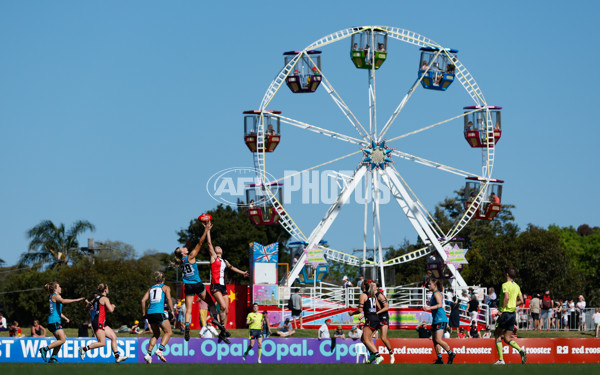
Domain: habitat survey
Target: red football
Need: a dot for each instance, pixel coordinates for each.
(205, 217)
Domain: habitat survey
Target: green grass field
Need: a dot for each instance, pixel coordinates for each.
(309, 369)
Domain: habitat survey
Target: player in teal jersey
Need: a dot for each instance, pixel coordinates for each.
(55, 320)
(186, 260)
(439, 321)
(156, 315)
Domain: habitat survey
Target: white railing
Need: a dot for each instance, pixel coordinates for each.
(325, 297)
(558, 320)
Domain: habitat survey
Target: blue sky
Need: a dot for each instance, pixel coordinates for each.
(119, 112)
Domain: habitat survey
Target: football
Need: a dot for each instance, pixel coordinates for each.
(205, 218)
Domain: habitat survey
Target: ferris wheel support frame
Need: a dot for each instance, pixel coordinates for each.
(420, 223)
(317, 234)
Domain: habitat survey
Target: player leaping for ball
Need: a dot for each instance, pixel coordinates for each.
(217, 278)
(186, 260)
(506, 320)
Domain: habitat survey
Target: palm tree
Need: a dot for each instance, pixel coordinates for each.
(52, 245)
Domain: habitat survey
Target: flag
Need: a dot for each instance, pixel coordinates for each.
(265, 254)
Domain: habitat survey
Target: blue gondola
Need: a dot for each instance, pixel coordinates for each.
(437, 72)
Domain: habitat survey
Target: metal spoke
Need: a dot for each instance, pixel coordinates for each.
(429, 126)
(318, 130)
(405, 100)
(433, 164)
(316, 166)
(337, 99)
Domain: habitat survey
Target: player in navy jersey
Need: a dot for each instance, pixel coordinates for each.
(55, 320)
(384, 317)
(158, 294)
(186, 260)
(101, 306)
(439, 321)
(368, 306)
(217, 278)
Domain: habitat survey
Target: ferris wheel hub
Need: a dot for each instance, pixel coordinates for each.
(377, 155)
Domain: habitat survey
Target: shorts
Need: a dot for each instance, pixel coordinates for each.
(535, 316)
(384, 319)
(296, 313)
(194, 289)
(97, 326)
(156, 318)
(546, 313)
(373, 324)
(441, 326)
(255, 334)
(218, 288)
(53, 327)
(506, 321)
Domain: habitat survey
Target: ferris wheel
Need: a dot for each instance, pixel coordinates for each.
(374, 161)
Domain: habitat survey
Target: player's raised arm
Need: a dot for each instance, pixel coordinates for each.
(196, 249)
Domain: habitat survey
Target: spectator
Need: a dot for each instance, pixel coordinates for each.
(203, 312)
(3, 326)
(296, 307)
(596, 320)
(266, 325)
(473, 331)
(295, 260)
(37, 330)
(181, 309)
(572, 315)
(136, 329)
(423, 332)
(208, 331)
(487, 334)
(323, 332)
(490, 298)
(347, 283)
(339, 333)
(555, 320)
(285, 329)
(536, 308)
(565, 318)
(355, 333)
(580, 309)
(454, 321)
(359, 283)
(473, 307)
(547, 311)
(14, 330)
(84, 329)
(428, 276)
(527, 300)
(461, 333)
